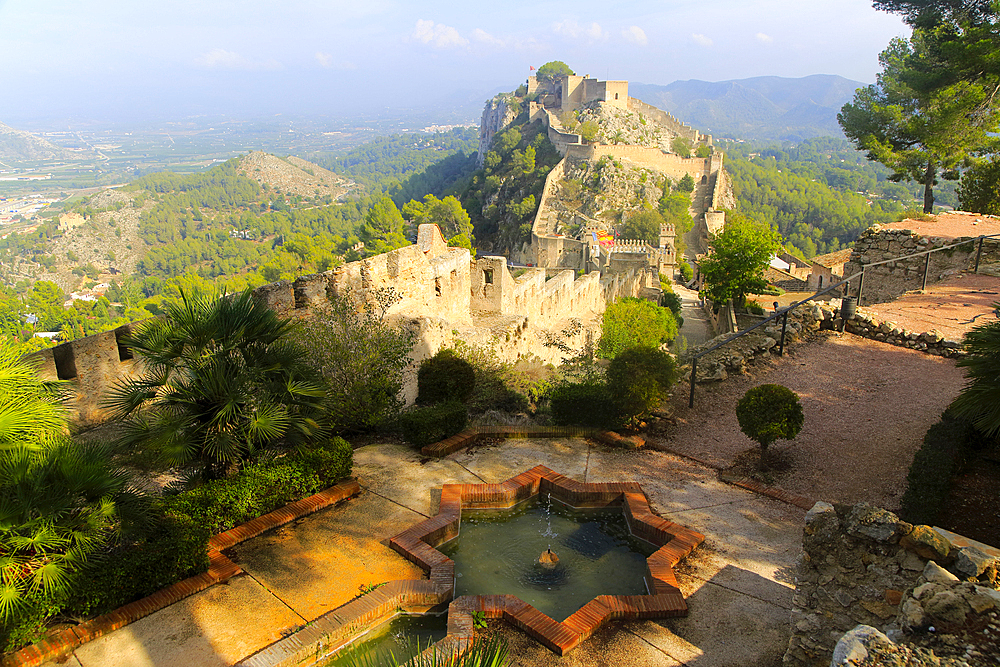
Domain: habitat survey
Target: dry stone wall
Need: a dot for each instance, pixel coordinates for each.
(863, 565)
(889, 281)
(443, 294)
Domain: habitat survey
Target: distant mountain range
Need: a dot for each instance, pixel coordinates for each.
(763, 107)
(17, 145)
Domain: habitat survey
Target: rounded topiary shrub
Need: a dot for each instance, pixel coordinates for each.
(445, 377)
(433, 423)
(768, 413)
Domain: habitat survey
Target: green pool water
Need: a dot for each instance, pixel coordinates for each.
(497, 552)
(400, 636)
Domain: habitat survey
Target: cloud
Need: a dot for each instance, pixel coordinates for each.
(701, 40)
(223, 59)
(484, 37)
(326, 60)
(636, 35)
(766, 39)
(437, 35)
(574, 30)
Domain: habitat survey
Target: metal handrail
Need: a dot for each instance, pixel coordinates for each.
(783, 312)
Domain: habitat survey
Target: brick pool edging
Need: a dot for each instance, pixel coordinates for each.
(220, 570)
(472, 436)
(664, 600)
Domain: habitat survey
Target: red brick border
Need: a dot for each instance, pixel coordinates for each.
(472, 436)
(220, 569)
(419, 543)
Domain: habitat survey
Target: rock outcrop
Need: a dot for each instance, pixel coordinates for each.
(498, 114)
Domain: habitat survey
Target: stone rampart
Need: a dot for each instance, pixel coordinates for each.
(863, 565)
(442, 290)
(670, 164)
(669, 121)
(889, 281)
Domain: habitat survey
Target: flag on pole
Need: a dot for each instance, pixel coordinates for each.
(531, 67)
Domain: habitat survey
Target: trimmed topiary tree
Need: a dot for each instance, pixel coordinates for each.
(445, 377)
(770, 412)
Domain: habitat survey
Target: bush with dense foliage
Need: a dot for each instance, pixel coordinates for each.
(360, 357)
(61, 504)
(588, 403)
(639, 379)
(445, 377)
(634, 322)
(979, 400)
(433, 423)
(264, 486)
(770, 412)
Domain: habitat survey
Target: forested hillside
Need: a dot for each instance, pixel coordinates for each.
(502, 197)
(390, 161)
(820, 194)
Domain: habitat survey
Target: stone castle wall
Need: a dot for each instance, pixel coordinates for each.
(443, 293)
(862, 565)
(670, 164)
(888, 281)
(669, 121)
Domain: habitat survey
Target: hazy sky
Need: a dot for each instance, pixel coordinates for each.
(118, 58)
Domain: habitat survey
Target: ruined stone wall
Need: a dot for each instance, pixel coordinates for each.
(669, 121)
(888, 281)
(670, 164)
(862, 565)
(442, 291)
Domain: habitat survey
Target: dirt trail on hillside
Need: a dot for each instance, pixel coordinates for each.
(867, 406)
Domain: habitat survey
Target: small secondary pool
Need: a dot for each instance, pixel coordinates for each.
(400, 637)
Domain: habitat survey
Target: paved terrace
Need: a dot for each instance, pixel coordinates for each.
(738, 583)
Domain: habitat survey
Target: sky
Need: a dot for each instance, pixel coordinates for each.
(132, 59)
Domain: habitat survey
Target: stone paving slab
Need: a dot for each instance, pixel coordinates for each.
(215, 627)
(319, 562)
(405, 476)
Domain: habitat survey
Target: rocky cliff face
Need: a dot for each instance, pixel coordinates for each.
(497, 115)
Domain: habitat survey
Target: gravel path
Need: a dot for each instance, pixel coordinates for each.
(953, 306)
(867, 406)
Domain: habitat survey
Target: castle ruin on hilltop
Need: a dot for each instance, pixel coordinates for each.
(565, 236)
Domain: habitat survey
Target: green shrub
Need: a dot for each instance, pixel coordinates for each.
(687, 273)
(264, 486)
(946, 444)
(588, 403)
(634, 322)
(433, 423)
(754, 308)
(769, 412)
(174, 548)
(445, 377)
(639, 379)
(671, 302)
(28, 624)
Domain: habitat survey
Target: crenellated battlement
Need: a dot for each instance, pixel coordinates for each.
(443, 293)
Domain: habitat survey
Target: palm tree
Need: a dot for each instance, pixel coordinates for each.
(221, 380)
(979, 400)
(60, 503)
(31, 411)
